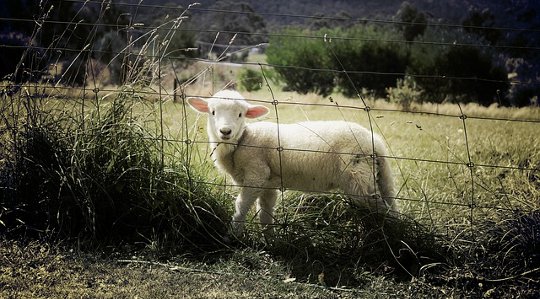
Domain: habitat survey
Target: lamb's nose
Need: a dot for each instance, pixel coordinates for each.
(225, 131)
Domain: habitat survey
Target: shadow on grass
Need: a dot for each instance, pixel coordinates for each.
(333, 243)
(328, 241)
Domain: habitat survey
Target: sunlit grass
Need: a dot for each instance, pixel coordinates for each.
(430, 153)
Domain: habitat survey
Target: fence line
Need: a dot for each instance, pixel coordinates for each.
(162, 94)
(16, 87)
(469, 164)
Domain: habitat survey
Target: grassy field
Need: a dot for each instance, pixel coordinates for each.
(430, 152)
(468, 190)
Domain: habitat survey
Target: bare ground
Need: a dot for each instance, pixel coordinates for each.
(39, 270)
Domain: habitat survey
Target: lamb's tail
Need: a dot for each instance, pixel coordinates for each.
(385, 181)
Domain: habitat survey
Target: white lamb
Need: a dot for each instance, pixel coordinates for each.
(314, 156)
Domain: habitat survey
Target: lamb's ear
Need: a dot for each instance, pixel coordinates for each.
(198, 104)
(256, 111)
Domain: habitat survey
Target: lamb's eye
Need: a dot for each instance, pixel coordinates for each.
(240, 115)
(213, 112)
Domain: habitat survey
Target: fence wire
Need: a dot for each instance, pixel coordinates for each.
(163, 90)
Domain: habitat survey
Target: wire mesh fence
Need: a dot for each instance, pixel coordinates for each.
(456, 165)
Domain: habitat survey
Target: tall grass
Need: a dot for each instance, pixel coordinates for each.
(102, 177)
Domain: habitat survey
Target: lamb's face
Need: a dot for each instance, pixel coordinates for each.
(226, 119)
(227, 112)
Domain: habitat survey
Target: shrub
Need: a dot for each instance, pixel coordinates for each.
(526, 89)
(405, 92)
(524, 95)
(250, 80)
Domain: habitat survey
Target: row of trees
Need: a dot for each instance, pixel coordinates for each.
(468, 63)
(354, 56)
(71, 34)
(375, 58)
(75, 37)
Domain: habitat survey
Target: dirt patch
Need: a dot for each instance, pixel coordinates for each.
(41, 271)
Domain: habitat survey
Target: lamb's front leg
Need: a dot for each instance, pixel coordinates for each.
(243, 203)
(266, 204)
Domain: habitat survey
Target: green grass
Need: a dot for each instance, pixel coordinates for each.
(147, 162)
(431, 153)
(445, 203)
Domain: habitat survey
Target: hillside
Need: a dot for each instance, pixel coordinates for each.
(509, 13)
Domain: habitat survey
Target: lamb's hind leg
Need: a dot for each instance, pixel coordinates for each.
(265, 208)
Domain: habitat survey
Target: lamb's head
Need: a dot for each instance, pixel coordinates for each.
(227, 111)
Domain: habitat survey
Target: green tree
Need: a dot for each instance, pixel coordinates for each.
(74, 30)
(366, 59)
(359, 57)
(413, 23)
(302, 63)
(66, 36)
(471, 75)
(374, 65)
(457, 73)
(177, 36)
(481, 23)
(226, 31)
(342, 20)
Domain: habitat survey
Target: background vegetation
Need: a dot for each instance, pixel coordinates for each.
(470, 62)
(374, 58)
